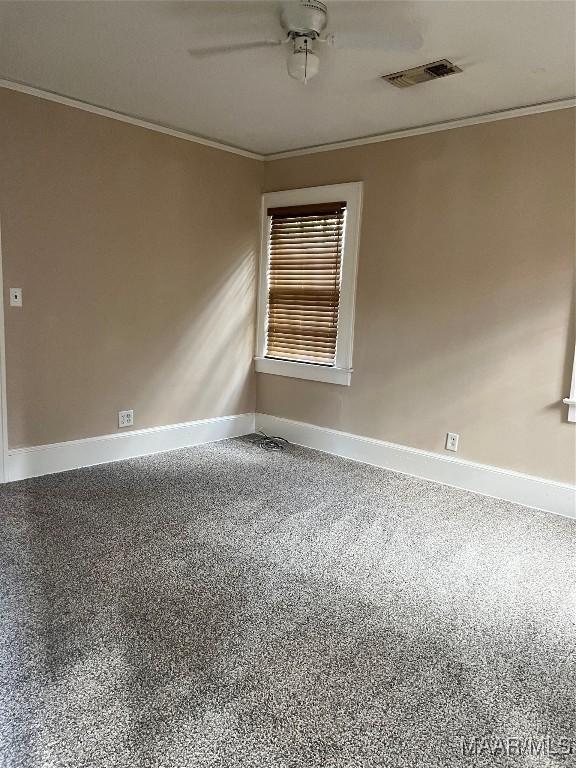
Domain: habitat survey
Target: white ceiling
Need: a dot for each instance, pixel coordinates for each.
(132, 57)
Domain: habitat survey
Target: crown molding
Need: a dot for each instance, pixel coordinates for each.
(31, 90)
(488, 117)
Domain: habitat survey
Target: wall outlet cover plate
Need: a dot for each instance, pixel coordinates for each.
(452, 441)
(125, 419)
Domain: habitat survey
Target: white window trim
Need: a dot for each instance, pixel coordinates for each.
(571, 400)
(341, 372)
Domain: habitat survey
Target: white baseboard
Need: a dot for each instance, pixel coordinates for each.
(59, 457)
(534, 492)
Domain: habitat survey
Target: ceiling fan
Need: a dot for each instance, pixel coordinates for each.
(303, 22)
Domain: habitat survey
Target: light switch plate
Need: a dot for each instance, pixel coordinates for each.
(15, 297)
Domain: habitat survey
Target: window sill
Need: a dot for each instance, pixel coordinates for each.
(308, 371)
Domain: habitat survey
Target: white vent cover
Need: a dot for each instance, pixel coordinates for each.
(423, 74)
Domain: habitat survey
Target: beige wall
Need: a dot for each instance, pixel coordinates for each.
(136, 255)
(464, 318)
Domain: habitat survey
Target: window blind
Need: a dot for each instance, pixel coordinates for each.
(305, 256)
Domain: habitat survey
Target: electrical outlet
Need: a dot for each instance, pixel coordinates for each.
(15, 297)
(125, 419)
(452, 441)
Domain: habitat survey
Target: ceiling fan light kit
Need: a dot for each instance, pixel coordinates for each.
(302, 62)
(303, 23)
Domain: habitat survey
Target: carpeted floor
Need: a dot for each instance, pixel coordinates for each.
(226, 607)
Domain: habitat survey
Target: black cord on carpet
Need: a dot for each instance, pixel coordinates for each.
(271, 442)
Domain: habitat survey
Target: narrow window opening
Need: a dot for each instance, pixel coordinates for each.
(304, 282)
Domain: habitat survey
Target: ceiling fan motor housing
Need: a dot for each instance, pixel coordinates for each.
(307, 17)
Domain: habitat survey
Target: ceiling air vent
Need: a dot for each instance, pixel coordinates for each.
(422, 74)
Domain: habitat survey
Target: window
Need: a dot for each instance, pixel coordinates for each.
(571, 400)
(304, 257)
(307, 282)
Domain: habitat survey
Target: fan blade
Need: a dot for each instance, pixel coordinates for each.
(388, 25)
(390, 40)
(215, 50)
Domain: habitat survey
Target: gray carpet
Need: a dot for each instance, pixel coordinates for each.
(222, 607)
